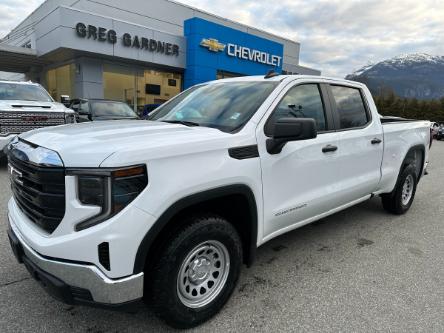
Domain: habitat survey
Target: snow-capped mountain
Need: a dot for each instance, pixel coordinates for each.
(417, 75)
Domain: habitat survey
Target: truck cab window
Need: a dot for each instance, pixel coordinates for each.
(303, 101)
(350, 107)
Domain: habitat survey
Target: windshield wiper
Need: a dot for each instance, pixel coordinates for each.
(182, 122)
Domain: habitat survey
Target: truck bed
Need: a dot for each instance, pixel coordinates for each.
(400, 135)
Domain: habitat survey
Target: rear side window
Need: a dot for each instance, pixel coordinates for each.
(350, 107)
(303, 101)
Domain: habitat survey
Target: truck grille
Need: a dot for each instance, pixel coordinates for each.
(39, 192)
(18, 122)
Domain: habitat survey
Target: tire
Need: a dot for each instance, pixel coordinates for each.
(169, 297)
(398, 202)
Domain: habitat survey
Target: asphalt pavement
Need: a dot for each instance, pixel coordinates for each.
(361, 270)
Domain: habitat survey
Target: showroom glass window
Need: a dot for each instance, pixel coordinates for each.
(139, 88)
(226, 75)
(156, 87)
(303, 101)
(60, 81)
(350, 107)
(119, 83)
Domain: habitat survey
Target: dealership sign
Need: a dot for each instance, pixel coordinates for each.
(110, 36)
(242, 52)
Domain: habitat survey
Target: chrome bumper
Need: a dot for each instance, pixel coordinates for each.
(103, 290)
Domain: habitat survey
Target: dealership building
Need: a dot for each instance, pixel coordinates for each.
(138, 51)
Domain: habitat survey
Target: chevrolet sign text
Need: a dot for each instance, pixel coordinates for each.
(246, 53)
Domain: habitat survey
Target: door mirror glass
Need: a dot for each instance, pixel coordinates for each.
(290, 129)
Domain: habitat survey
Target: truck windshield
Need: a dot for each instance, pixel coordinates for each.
(226, 106)
(23, 92)
(112, 110)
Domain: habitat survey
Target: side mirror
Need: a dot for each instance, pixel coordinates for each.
(64, 99)
(290, 129)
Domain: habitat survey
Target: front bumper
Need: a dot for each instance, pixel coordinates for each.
(76, 283)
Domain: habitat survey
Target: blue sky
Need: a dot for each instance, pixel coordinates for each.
(337, 36)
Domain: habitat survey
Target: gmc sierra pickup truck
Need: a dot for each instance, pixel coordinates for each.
(167, 210)
(25, 106)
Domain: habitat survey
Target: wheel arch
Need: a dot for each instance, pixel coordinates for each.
(411, 156)
(170, 220)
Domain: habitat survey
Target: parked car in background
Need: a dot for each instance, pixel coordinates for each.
(440, 134)
(101, 109)
(148, 108)
(168, 210)
(434, 130)
(26, 106)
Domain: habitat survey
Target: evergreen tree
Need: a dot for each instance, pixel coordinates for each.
(389, 104)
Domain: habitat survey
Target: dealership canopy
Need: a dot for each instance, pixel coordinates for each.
(18, 59)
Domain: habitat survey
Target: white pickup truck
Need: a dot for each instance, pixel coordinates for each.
(167, 210)
(25, 106)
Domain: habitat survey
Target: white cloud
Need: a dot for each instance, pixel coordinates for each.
(12, 12)
(337, 36)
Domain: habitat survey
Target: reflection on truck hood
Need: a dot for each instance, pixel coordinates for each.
(89, 144)
(12, 105)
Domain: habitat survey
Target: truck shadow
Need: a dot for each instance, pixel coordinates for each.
(317, 247)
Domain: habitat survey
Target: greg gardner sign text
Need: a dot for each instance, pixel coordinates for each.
(110, 36)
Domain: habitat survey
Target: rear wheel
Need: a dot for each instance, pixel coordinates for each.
(399, 201)
(196, 272)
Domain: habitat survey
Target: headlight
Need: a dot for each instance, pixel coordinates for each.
(70, 118)
(110, 189)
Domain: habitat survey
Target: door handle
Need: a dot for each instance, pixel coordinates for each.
(329, 148)
(376, 141)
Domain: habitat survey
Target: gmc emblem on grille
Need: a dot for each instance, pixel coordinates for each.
(34, 118)
(16, 176)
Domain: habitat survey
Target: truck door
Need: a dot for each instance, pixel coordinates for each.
(360, 147)
(303, 179)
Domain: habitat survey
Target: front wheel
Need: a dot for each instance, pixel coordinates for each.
(399, 201)
(196, 272)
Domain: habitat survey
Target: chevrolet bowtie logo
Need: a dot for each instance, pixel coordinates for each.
(212, 44)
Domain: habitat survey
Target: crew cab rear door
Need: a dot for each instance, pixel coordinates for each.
(360, 137)
(302, 180)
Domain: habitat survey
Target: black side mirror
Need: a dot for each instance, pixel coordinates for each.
(65, 100)
(290, 129)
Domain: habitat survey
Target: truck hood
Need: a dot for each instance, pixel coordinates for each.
(89, 144)
(32, 106)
